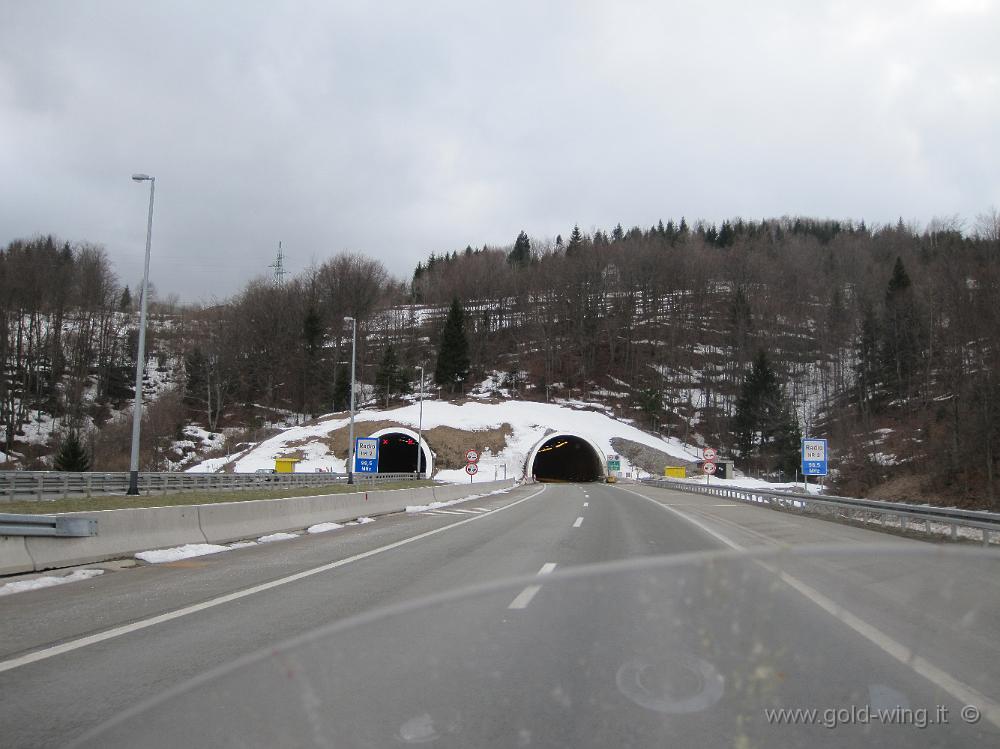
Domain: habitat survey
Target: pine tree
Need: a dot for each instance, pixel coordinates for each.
(72, 456)
(901, 349)
(453, 355)
(342, 388)
(388, 376)
(520, 256)
(575, 242)
(617, 234)
(766, 432)
(125, 302)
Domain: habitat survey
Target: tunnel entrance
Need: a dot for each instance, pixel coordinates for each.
(397, 452)
(566, 457)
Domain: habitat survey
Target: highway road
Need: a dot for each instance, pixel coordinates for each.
(673, 652)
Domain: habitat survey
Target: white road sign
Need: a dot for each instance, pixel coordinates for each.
(708, 467)
(472, 456)
(710, 453)
(471, 469)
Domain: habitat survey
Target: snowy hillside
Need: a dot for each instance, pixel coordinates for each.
(529, 422)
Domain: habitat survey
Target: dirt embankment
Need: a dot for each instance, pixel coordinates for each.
(646, 457)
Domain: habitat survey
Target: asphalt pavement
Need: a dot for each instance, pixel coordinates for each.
(652, 653)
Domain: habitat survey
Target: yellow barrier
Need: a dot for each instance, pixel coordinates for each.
(675, 472)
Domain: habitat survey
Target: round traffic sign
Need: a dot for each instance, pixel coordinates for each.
(471, 469)
(472, 456)
(708, 467)
(710, 453)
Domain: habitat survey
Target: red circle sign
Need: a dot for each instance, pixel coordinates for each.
(472, 456)
(708, 467)
(710, 453)
(471, 469)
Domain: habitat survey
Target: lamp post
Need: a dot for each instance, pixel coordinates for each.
(350, 451)
(133, 474)
(420, 423)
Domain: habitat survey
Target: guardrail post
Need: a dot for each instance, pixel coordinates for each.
(41, 485)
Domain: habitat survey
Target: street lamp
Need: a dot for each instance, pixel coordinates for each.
(133, 474)
(350, 451)
(420, 426)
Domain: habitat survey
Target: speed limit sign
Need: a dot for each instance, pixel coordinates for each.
(471, 469)
(708, 467)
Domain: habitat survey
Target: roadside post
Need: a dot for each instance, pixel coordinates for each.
(471, 463)
(709, 456)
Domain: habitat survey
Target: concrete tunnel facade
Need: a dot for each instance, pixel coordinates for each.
(397, 451)
(565, 456)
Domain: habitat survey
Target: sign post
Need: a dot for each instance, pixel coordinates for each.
(815, 459)
(709, 455)
(472, 469)
(366, 455)
(472, 458)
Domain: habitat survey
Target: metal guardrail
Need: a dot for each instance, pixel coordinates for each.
(910, 517)
(46, 525)
(43, 485)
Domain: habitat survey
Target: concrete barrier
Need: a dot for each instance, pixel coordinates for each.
(14, 556)
(125, 532)
(119, 533)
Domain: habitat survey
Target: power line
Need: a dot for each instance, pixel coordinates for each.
(279, 267)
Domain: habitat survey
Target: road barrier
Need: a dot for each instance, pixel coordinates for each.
(927, 519)
(122, 533)
(42, 485)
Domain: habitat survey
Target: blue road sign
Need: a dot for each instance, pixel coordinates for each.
(366, 455)
(814, 457)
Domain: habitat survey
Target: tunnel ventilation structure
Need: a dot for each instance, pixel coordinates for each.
(566, 457)
(397, 451)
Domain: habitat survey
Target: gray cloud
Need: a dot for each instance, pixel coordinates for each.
(401, 128)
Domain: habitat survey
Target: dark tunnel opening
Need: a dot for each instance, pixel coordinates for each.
(567, 458)
(397, 453)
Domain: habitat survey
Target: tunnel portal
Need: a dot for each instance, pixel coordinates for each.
(397, 453)
(566, 457)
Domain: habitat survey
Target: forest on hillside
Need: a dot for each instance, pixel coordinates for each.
(744, 335)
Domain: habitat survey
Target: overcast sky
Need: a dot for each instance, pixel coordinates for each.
(398, 128)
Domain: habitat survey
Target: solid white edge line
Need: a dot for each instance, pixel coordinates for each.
(578, 522)
(547, 568)
(940, 678)
(82, 642)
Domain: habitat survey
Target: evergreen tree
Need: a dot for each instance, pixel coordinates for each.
(125, 302)
(453, 355)
(901, 349)
(617, 234)
(766, 432)
(520, 256)
(72, 456)
(575, 242)
(342, 388)
(196, 376)
(387, 378)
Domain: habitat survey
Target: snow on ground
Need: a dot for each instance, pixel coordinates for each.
(361, 521)
(438, 505)
(47, 581)
(323, 527)
(176, 553)
(745, 482)
(272, 537)
(530, 421)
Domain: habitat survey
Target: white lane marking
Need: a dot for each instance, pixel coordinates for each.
(578, 522)
(480, 509)
(524, 597)
(82, 642)
(468, 512)
(586, 504)
(447, 512)
(957, 689)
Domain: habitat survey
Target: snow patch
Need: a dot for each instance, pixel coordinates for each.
(272, 537)
(176, 553)
(47, 581)
(323, 527)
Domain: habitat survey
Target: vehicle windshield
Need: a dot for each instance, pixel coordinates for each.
(717, 650)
